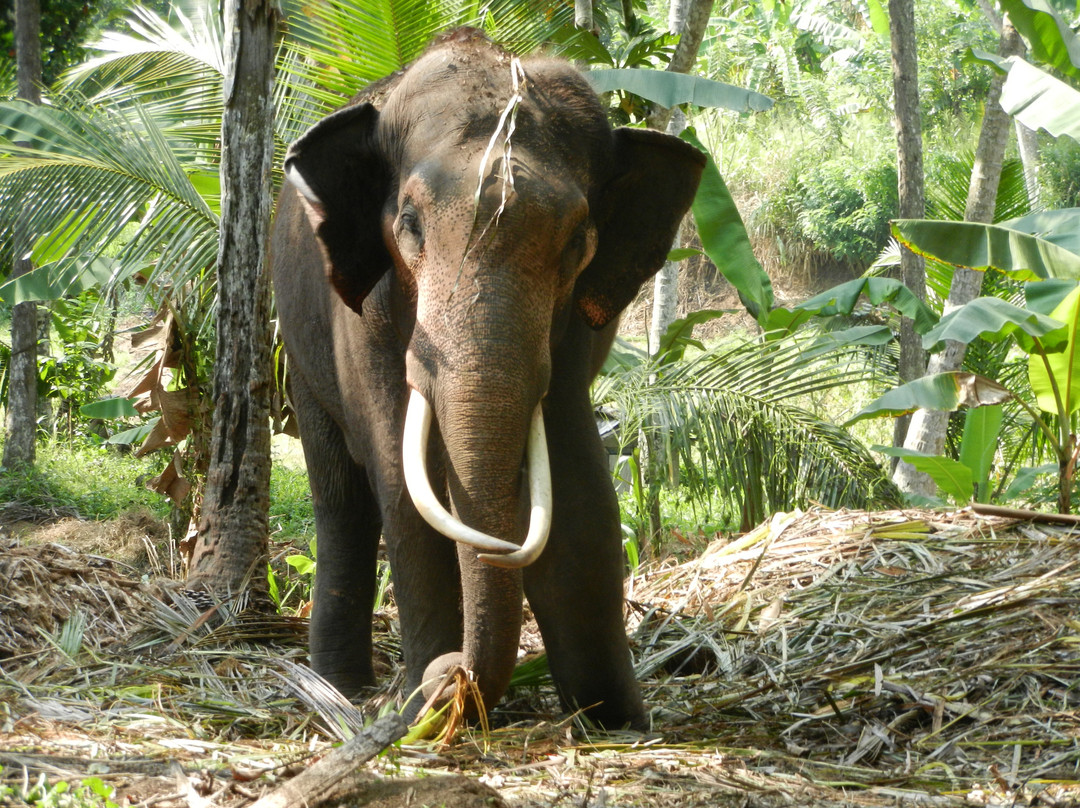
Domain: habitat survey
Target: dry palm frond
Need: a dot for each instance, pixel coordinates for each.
(825, 658)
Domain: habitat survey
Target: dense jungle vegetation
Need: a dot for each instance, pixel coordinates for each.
(119, 185)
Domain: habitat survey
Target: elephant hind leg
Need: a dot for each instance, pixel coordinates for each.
(348, 526)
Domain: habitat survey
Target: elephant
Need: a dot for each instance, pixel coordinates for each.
(450, 255)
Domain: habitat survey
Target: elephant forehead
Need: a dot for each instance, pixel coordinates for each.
(515, 187)
(466, 101)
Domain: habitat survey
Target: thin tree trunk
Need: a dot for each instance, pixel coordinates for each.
(690, 18)
(1028, 143)
(909, 165)
(21, 438)
(927, 430)
(686, 52)
(231, 550)
(583, 15)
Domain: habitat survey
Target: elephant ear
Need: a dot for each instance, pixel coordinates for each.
(637, 217)
(343, 180)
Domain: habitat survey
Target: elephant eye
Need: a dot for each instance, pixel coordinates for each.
(579, 250)
(409, 221)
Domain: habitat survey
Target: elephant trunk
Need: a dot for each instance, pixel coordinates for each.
(485, 446)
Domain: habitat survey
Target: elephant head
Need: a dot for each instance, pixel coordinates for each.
(502, 207)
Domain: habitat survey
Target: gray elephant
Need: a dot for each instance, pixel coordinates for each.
(450, 255)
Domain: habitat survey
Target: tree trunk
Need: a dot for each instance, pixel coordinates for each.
(690, 18)
(231, 550)
(686, 52)
(20, 443)
(909, 165)
(1028, 143)
(927, 430)
(583, 15)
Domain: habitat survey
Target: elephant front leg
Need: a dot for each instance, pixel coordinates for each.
(576, 587)
(347, 525)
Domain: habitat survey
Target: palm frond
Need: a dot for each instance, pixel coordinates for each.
(736, 420)
(950, 178)
(90, 177)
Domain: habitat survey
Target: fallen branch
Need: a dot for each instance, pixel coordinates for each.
(315, 784)
(1023, 513)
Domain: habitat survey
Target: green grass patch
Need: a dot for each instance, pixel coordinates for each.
(292, 516)
(94, 481)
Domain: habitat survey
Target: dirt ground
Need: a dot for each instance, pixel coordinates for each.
(824, 659)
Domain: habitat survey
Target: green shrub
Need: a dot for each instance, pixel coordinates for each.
(1059, 174)
(846, 208)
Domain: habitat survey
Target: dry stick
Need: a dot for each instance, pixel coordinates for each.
(1023, 513)
(315, 783)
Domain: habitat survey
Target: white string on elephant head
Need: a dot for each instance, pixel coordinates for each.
(505, 128)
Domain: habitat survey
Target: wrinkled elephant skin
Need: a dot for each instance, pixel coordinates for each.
(464, 234)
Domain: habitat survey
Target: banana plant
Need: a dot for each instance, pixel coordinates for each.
(1043, 249)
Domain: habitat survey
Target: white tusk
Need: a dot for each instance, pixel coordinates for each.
(414, 464)
(539, 498)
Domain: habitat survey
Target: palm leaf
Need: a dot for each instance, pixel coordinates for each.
(734, 417)
(109, 173)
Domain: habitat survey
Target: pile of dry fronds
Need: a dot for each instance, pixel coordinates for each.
(823, 659)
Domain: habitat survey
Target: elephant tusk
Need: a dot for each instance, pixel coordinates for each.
(539, 499)
(414, 464)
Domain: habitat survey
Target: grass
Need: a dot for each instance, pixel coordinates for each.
(292, 517)
(92, 482)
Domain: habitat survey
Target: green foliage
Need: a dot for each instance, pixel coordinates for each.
(1051, 399)
(948, 177)
(66, 26)
(292, 516)
(1059, 174)
(948, 86)
(93, 481)
(845, 209)
(731, 419)
(89, 793)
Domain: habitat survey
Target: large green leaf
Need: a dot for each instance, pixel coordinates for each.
(981, 246)
(60, 279)
(1045, 296)
(951, 476)
(979, 443)
(1064, 367)
(1060, 227)
(679, 335)
(670, 89)
(1039, 100)
(842, 299)
(1051, 39)
(942, 391)
(106, 408)
(723, 235)
(994, 319)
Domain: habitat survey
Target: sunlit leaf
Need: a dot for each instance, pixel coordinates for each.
(951, 476)
(670, 89)
(1064, 367)
(994, 319)
(724, 238)
(980, 246)
(842, 299)
(942, 391)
